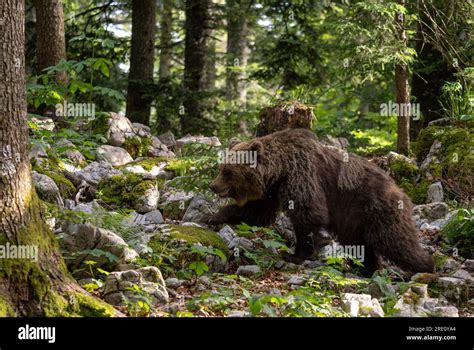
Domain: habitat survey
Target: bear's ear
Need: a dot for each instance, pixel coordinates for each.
(234, 141)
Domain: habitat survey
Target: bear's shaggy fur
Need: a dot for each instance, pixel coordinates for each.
(321, 187)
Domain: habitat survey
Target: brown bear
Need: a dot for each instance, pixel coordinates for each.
(320, 187)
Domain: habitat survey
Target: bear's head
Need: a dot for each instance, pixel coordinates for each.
(240, 173)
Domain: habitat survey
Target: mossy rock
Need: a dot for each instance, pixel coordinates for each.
(455, 158)
(137, 146)
(193, 235)
(100, 125)
(50, 163)
(417, 191)
(403, 170)
(66, 187)
(173, 246)
(175, 209)
(407, 175)
(77, 304)
(124, 190)
(439, 259)
(453, 140)
(425, 139)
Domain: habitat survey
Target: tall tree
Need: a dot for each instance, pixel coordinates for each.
(402, 91)
(196, 47)
(166, 27)
(213, 44)
(140, 78)
(237, 50)
(50, 36)
(28, 287)
(210, 71)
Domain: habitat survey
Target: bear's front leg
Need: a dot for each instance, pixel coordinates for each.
(304, 244)
(261, 212)
(230, 214)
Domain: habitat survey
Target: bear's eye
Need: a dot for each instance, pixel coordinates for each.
(226, 173)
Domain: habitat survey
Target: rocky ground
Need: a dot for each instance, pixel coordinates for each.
(128, 207)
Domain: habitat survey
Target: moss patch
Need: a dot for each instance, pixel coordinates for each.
(457, 163)
(6, 310)
(175, 209)
(124, 190)
(418, 192)
(137, 146)
(65, 186)
(403, 170)
(407, 176)
(25, 279)
(194, 235)
(455, 158)
(49, 164)
(172, 249)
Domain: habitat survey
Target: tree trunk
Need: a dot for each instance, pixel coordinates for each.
(50, 36)
(196, 48)
(140, 78)
(28, 287)
(166, 39)
(210, 71)
(237, 50)
(402, 92)
(287, 115)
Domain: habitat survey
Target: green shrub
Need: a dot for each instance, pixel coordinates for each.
(459, 232)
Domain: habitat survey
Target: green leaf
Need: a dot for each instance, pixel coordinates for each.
(199, 267)
(220, 254)
(105, 70)
(255, 305)
(269, 243)
(103, 271)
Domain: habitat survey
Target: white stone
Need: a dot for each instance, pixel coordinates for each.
(116, 156)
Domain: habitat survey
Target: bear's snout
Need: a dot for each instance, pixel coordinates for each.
(219, 188)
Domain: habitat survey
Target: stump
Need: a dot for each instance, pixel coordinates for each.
(286, 115)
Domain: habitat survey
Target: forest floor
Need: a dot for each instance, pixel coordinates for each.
(128, 207)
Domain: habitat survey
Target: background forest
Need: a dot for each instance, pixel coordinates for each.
(129, 102)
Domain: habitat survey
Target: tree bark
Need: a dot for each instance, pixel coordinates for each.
(140, 78)
(28, 287)
(50, 36)
(166, 39)
(402, 92)
(210, 71)
(237, 50)
(286, 115)
(196, 47)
